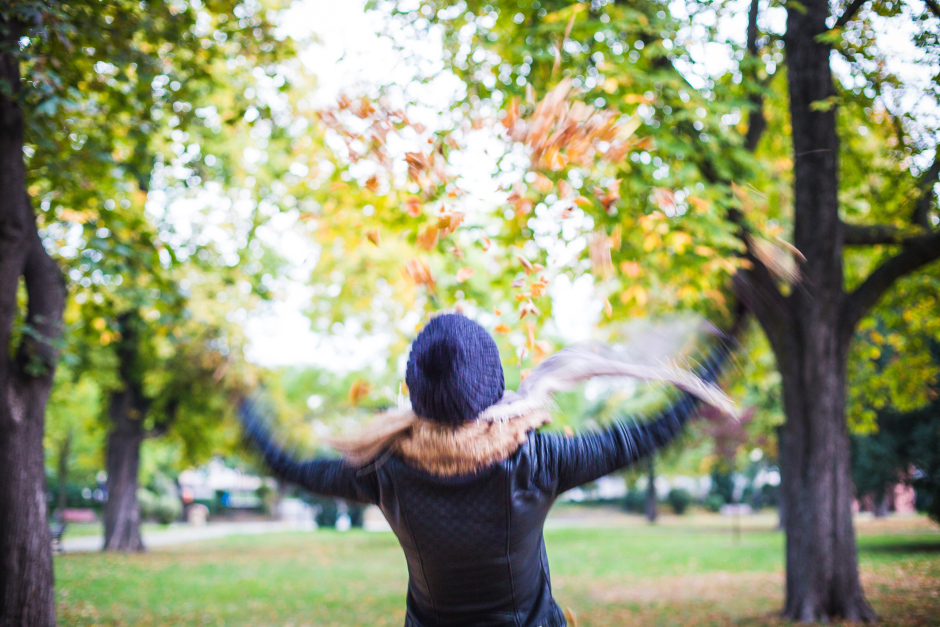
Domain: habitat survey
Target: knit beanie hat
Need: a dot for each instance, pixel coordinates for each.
(454, 371)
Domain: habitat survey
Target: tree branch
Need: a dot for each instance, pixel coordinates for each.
(756, 121)
(933, 7)
(45, 290)
(927, 182)
(848, 14)
(874, 234)
(917, 252)
(755, 287)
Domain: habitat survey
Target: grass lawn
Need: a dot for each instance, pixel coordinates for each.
(684, 571)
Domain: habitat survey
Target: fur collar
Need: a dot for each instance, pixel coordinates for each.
(449, 451)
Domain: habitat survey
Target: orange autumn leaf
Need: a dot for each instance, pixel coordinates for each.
(501, 328)
(418, 164)
(372, 183)
(419, 272)
(608, 308)
(485, 244)
(358, 391)
(373, 236)
(528, 307)
(427, 239)
(413, 206)
(543, 184)
(529, 268)
(665, 199)
(630, 268)
(464, 273)
(599, 252)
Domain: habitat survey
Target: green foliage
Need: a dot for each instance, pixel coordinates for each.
(905, 448)
(713, 502)
(679, 500)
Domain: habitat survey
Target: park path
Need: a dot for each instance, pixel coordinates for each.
(178, 534)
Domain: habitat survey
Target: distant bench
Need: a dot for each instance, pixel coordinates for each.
(79, 515)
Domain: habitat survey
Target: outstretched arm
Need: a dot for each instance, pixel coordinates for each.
(330, 477)
(573, 461)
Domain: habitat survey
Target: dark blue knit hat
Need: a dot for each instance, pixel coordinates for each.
(454, 372)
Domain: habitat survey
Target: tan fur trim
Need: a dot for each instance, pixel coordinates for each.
(449, 451)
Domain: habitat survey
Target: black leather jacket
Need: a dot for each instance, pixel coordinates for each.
(474, 544)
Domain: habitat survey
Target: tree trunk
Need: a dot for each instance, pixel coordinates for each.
(62, 474)
(26, 582)
(651, 492)
(822, 571)
(122, 511)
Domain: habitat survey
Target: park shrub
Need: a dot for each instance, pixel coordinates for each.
(163, 508)
(679, 499)
(713, 502)
(635, 501)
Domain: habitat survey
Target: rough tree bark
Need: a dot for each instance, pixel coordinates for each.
(122, 511)
(26, 583)
(822, 568)
(810, 330)
(127, 409)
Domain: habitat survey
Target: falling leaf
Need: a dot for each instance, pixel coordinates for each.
(464, 273)
(449, 221)
(608, 309)
(610, 196)
(497, 311)
(517, 283)
(599, 252)
(337, 186)
(418, 164)
(428, 238)
(543, 184)
(413, 206)
(699, 203)
(374, 237)
(528, 307)
(372, 183)
(358, 391)
(569, 431)
(581, 201)
(501, 328)
(525, 264)
(512, 114)
(564, 189)
(419, 272)
(485, 243)
(543, 348)
(665, 199)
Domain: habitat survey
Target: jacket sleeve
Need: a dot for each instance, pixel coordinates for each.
(573, 461)
(326, 476)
